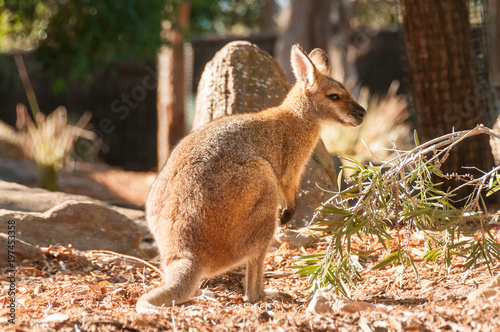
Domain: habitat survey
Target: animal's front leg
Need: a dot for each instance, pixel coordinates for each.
(287, 214)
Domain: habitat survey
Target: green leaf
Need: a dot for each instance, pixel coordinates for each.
(329, 209)
(412, 263)
(394, 257)
(340, 178)
(433, 254)
(493, 190)
(361, 167)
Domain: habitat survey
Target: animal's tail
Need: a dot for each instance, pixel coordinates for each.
(181, 283)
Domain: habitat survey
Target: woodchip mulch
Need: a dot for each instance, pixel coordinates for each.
(97, 291)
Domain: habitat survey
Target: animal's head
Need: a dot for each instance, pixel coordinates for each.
(331, 101)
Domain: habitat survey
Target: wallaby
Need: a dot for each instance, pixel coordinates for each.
(218, 200)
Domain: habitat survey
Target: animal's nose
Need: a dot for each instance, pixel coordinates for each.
(360, 111)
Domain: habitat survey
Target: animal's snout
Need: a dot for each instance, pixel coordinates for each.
(360, 111)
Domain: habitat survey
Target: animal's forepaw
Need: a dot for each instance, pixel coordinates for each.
(285, 216)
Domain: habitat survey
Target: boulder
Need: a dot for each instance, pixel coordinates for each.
(296, 239)
(84, 225)
(44, 217)
(17, 197)
(241, 78)
(491, 289)
(22, 250)
(325, 301)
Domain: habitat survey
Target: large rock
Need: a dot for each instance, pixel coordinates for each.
(17, 197)
(241, 78)
(491, 289)
(44, 217)
(22, 250)
(295, 239)
(84, 225)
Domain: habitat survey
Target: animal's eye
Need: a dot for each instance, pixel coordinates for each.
(334, 97)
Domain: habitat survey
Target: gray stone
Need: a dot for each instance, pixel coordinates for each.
(17, 197)
(84, 225)
(492, 288)
(325, 301)
(137, 216)
(149, 249)
(22, 250)
(241, 78)
(300, 238)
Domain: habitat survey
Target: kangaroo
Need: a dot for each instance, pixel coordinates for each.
(218, 201)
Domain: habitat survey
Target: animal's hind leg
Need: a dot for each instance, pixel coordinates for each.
(181, 283)
(260, 225)
(255, 277)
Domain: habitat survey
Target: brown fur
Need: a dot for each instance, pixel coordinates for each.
(216, 203)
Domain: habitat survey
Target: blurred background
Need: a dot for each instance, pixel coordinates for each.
(112, 69)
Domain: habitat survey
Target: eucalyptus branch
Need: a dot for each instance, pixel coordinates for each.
(400, 193)
(445, 140)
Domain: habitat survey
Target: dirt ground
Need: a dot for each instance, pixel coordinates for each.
(97, 291)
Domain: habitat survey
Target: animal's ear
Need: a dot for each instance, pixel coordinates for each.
(302, 66)
(320, 60)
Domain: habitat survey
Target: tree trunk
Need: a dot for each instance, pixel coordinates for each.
(341, 42)
(266, 20)
(494, 40)
(171, 85)
(308, 25)
(446, 92)
(324, 24)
